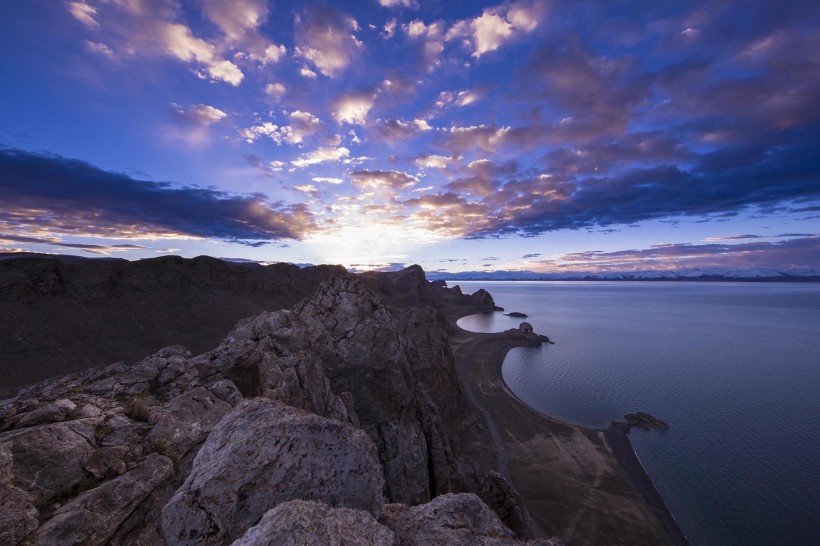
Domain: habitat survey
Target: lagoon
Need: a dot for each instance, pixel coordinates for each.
(734, 368)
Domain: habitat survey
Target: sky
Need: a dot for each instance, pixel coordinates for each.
(460, 135)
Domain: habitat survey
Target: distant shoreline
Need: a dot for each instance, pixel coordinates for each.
(659, 279)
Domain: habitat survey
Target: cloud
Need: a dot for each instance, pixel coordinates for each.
(84, 13)
(428, 41)
(353, 107)
(526, 256)
(396, 129)
(182, 44)
(383, 179)
(433, 161)
(99, 48)
(498, 25)
(413, 4)
(302, 125)
(151, 28)
(49, 194)
(327, 180)
(201, 114)
(321, 155)
(582, 94)
(103, 250)
(325, 38)
(275, 90)
(792, 253)
(733, 238)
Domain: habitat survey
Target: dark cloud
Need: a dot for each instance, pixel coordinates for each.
(68, 196)
(792, 253)
(713, 185)
(90, 248)
(525, 256)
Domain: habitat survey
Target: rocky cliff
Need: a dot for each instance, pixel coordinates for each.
(330, 422)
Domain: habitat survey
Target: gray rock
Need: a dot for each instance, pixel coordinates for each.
(53, 412)
(95, 515)
(450, 519)
(298, 523)
(106, 462)
(18, 516)
(48, 459)
(262, 454)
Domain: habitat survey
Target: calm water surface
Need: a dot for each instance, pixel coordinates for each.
(734, 368)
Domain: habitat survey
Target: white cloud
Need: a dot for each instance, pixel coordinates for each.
(199, 113)
(236, 17)
(433, 161)
(276, 166)
(321, 155)
(182, 44)
(325, 39)
(307, 73)
(84, 13)
(353, 107)
(498, 25)
(302, 125)
(327, 180)
(395, 180)
(389, 29)
(99, 47)
(402, 3)
(275, 90)
(308, 189)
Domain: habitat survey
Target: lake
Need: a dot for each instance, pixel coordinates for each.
(734, 368)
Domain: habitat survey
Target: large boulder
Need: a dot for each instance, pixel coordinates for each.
(265, 453)
(298, 522)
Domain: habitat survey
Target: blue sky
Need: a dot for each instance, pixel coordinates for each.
(458, 135)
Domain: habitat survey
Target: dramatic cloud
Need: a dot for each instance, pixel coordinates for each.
(325, 38)
(789, 254)
(52, 194)
(103, 250)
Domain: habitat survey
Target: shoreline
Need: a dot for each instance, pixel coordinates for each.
(494, 347)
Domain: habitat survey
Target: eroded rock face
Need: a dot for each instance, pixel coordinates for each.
(308, 522)
(310, 417)
(265, 453)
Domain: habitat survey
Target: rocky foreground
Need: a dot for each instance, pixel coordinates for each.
(332, 422)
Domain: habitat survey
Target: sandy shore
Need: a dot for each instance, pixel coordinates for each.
(585, 486)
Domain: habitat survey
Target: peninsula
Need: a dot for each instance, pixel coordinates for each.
(340, 407)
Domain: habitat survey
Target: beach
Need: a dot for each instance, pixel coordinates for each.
(583, 485)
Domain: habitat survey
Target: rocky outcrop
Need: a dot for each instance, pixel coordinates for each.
(525, 333)
(300, 418)
(263, 454)
(308, 522)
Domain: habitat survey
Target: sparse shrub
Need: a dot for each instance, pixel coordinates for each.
(138, 409)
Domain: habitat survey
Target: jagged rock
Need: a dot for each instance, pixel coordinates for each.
(298, 523)
(264, 453)
(499, 494)
(95, 515)
(482, 298)
(48, 459)
(18, 516)
(525, 327)
(452, 519)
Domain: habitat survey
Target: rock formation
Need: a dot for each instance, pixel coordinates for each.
(327, 422)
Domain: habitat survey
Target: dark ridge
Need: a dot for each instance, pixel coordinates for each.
(62, 314)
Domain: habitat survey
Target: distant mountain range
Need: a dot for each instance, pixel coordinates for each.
(799, 274)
